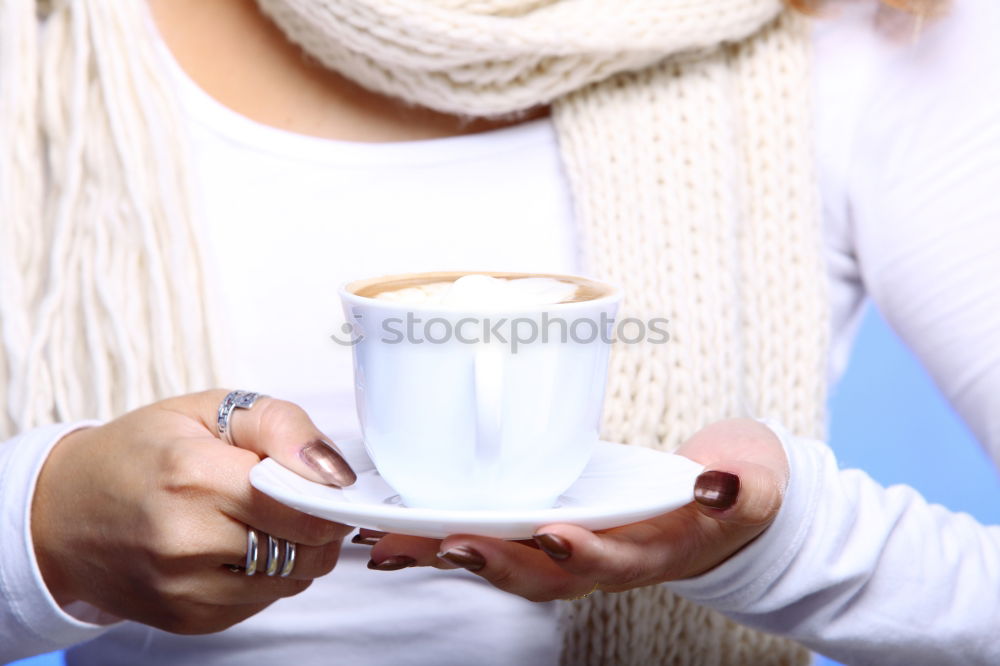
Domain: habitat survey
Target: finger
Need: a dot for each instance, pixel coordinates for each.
(310, 561)
(367, 537)
(514, 568)
(737, 439)
(246, 505)
(732, 507)
(424, 552)
(281, 430)
(740, 493)
(254, 508)
(507, 565)
(618, 559)
(314, 561)
(223, 587)
(746, 471)
(398, 551)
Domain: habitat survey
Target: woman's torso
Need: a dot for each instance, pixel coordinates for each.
(289, 217)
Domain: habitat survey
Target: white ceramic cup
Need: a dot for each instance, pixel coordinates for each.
(465, 409)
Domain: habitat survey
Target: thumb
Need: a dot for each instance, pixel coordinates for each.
(745, 475)
(740, 493)
(282, 430)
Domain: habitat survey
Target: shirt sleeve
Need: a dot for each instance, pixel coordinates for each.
(862, 573)
(921, 193)
(31, 622)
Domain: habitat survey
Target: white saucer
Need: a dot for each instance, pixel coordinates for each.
(621, 485)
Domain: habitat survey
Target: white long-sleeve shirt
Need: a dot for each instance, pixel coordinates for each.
(908, 139)
(862, 573)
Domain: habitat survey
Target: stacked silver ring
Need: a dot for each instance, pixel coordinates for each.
(272, 565)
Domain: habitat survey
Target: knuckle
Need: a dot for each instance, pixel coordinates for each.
(185, 470)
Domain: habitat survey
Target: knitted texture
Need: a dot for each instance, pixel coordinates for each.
(102, 292)
(489, 57)
(685, 134)
(694, 187)
(654, 626)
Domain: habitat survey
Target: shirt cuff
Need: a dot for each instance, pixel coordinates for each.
(28, 610)
(740, 582)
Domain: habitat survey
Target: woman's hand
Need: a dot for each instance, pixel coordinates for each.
(140, 517)
(735, 501)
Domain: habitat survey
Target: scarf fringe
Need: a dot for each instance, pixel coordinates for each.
(103, 297)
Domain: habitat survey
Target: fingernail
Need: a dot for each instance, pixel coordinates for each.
(322, 459)
(555, 547)
(394, 563)
(530, 543)
(465, 557)
(366, 537)
(717, 490)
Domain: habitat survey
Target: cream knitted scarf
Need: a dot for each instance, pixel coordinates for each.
(684, 128)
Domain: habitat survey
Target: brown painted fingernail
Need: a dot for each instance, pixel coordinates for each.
(555, 547)
(465, 557)
(366, 537)
(530, 543)
(717, 490)
(394, 563)
(331, 467)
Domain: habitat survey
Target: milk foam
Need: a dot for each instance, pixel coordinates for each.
(484, 291)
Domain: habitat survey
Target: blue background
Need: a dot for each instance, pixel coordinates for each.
(889, 419)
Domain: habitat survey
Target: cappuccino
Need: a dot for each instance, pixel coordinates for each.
(480, 290)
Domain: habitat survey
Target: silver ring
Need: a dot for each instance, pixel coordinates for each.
(234, 400)
(253, 543)
(271, 567)
(289, 564)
